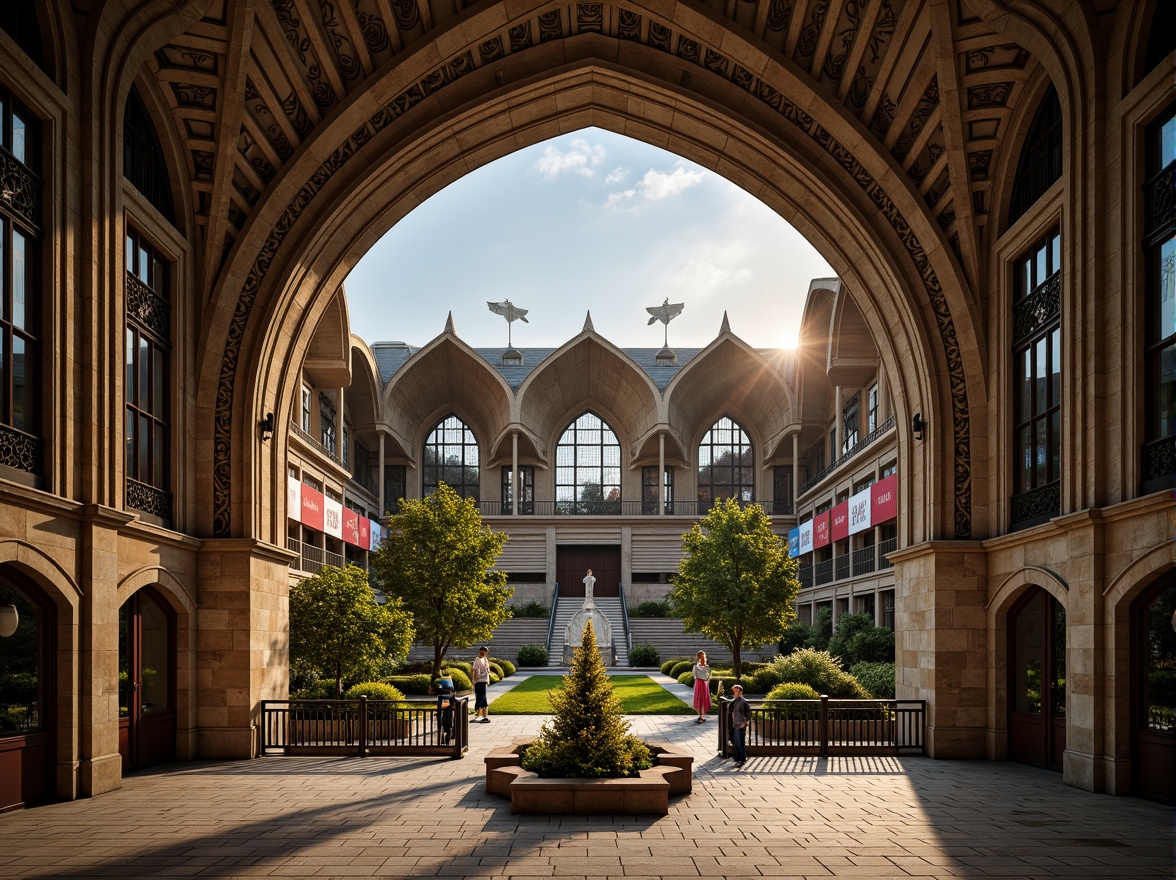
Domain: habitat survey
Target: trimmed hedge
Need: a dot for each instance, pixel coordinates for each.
(792, 690)
(373, 690)
(671, 663)
(461, 680)
(644, 655)
(416, 685)
(532, 655)
(506, 666)
(532, 609)
(680, 667)
(652, 609)
(495, 670)
(822, 672)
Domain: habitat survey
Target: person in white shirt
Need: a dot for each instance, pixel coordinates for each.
(481, 682)
(702, 700)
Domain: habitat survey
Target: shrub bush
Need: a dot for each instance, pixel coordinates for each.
(652, 609)
(374, 690)
(644, 655)
(686, 678)
(416, 667)
(681, 666)
(461, 681)
(763, 680)
(750, 667)
(323, 689)
(464, 666)
(506, 666)
(494, 677)
(531, 609)
(671, 663)
(877, 678)
(532, 655)
(792, 690)
(821, 671)
(495, 670)
(416, 685)
(858, 641)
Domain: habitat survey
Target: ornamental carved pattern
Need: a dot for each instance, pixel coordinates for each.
(698, 54)
(19, 450)
(927, 104)
(1044, 501)
(1039, 309)
(20, 189)
(148, 309)
(148, 499)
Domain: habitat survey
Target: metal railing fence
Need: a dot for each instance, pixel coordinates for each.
(828, 727)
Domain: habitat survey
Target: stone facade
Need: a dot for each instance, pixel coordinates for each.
(278, 147)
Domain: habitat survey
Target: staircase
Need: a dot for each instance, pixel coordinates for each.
(565, 609)
(669, 636)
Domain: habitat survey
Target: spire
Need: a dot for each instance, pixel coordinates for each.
(726, 328)
(588, 328)
(449, 325)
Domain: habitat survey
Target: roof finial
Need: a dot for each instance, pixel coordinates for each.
(588, 328)
(449, 325)
(726, 328)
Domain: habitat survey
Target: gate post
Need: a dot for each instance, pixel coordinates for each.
(363, 716)
(824, 724)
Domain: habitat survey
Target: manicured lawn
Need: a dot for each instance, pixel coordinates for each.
(638, 694)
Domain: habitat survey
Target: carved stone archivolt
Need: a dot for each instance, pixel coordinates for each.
(661, 36)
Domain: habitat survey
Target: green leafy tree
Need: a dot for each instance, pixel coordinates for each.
(437, 560)
(736, 583)
(588, 736)
(337, 628)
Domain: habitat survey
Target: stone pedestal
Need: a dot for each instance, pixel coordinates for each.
(574, 631)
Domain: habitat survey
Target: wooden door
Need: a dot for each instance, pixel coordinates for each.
(1037, 681)
(572, 563)
(146, 681)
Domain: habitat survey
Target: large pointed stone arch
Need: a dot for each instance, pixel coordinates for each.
(724, 103)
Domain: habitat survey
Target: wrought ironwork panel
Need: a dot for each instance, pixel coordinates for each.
(21, 451)
(1039, 309)
(148, 308)
(20, 189)
(149, 499)
(1044, 501)
(1159, 458)
(1160, 203)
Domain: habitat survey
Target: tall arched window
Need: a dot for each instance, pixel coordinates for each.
(726, 464)
(1041, 157)
(451, 456)
(588, 468)
(143, 163)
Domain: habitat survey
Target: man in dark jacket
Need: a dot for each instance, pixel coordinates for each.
(740, 718)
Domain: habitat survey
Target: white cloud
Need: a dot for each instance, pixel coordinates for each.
(581, 158)
(616, 176)
(656, 186)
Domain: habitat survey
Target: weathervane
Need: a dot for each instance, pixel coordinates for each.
(665, 313)
(512, 313)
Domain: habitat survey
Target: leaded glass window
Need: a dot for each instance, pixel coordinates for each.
(1041, 157)
(1037, 382)
(726, 464)
(20, 283)
(147, 379)
(143, 163)
(451, 457)
(588, 468)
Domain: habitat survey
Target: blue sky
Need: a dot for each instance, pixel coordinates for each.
(586, 221)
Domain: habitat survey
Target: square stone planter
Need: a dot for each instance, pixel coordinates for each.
(646, 794)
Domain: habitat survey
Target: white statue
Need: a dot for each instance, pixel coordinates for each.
(589, 584)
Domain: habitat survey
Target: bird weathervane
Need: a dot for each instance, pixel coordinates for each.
(665, 313)
(512, 313)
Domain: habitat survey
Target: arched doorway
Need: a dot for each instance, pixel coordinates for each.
(146, 681)
(1037, 680)
(27, 753)
(1153, 692)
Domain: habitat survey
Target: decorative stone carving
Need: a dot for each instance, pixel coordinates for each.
(574, 631)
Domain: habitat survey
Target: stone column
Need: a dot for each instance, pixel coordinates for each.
(661, 474)
(838, 426)
(515, 482)
(99, 761)
(339, 427)
(380, 488)
(243, 644)
(941, 649)
(795, 471)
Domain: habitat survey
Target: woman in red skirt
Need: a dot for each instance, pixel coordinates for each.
(702, 702)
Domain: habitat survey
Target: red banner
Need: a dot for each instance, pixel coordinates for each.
(839, 522)
(351, 527)
(365, 535)
(313, 505)
(884, 500)
(821, 530)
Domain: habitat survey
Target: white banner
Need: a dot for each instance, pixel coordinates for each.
(859, 512)
(806, 537)
(333, 518)
(294, 498)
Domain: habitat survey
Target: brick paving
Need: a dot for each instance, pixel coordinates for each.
(778, 817)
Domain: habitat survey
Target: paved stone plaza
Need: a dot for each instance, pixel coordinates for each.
(388, 817)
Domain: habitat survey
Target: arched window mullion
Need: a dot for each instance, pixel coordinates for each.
(451, 456)
(588, 468)
(726, 464)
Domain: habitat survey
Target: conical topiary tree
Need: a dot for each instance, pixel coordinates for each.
(588, 737)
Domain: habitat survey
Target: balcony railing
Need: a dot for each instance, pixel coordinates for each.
(312, 558)
(605, 508)
(858, 447)
(296, 429)
(884, 547)
(862, 561)
(1159, 464)
(823, 572)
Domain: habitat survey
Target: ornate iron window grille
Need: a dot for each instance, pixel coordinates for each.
(148, 499)
(1160, 205)
(1159, 459)
(1037, 505)
(20, 189)
(20, 450)
(1039, 309)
